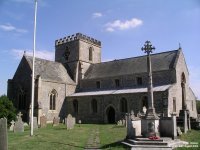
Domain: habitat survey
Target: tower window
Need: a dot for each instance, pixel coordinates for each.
(53, 100)
(75, 105)
(94, 106)
(117, 84)
(139, 80)
(98, 84)
(67, 53)
(90, 53)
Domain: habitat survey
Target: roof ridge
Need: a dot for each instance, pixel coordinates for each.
(42, 59)
(121, 59)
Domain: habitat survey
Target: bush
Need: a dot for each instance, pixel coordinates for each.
(7, 109)
(198, 106)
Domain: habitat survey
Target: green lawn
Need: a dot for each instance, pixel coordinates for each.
(193, 137)
(59, 138)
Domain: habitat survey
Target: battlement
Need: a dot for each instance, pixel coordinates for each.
(77, 36)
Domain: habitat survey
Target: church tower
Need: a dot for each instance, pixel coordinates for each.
(77, 52)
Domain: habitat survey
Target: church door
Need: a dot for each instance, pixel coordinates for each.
(111, 115)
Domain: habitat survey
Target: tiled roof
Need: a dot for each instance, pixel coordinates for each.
(50, 70)
(160, 61)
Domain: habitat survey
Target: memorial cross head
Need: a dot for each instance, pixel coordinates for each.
(148, 48)
(20, 114)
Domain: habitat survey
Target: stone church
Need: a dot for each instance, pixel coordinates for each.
(78, 83)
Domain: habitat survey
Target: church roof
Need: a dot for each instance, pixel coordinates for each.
(134, 65)
(121, 91)
(50, 70)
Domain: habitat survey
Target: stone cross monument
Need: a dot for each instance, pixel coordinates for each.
(151, 117)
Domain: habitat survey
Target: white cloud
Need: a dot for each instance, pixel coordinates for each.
(9, 28)
(44, 54)
(123, 25)
(195, 80)
(97, 15)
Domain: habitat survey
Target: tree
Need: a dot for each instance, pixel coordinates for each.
(198, 106)
(7, 109)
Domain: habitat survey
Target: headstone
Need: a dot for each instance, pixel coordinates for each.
(119, 123)
(35, 124)
(43, 121)
(132, 115)
(56, 121)
(12, 125)
(3, 134)
(179, 131)
(19, 125)
(70, 121)
(123, 122)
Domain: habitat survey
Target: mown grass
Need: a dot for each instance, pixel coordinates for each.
(193, 137)
(59, 138)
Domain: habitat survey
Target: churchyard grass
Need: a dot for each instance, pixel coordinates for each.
(193, 137)
(59, 138)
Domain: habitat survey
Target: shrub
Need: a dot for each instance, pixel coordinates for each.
(7, 109)
(198, 106)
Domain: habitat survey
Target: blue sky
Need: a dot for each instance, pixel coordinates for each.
(122, 25)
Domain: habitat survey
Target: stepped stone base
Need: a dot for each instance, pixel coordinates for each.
(147, 144)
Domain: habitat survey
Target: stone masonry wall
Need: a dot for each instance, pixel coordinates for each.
(134, 102)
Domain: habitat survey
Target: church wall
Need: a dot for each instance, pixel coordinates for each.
(159, 78)
(84, 52)
(134, 102)
(73, 47)
(21, 82)
(44, 99)
(182, 68)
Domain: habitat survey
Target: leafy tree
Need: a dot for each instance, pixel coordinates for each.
(7, 109)
(198, 106)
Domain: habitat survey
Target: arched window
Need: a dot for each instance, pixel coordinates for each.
(123, 105)
(52, 102)
(75, 105)
(22, 100)
(145, 101)
(94, 106)
(90, 53)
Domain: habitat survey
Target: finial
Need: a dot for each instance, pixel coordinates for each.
(179, 46)
(24, 52)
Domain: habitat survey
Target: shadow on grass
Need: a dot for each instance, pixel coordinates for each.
(114, 145)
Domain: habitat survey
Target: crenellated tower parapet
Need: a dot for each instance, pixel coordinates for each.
(78, 36)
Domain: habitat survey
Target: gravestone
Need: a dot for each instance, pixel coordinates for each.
(12, 125)
(35, 124)
(3, 134)
(43, 121)
(56, 121)
(70, 121)
(119, 123)
(19, 125)
(130, 130)
(179, 131)
(123, 122)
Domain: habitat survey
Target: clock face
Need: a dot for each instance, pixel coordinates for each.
(67, 53)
